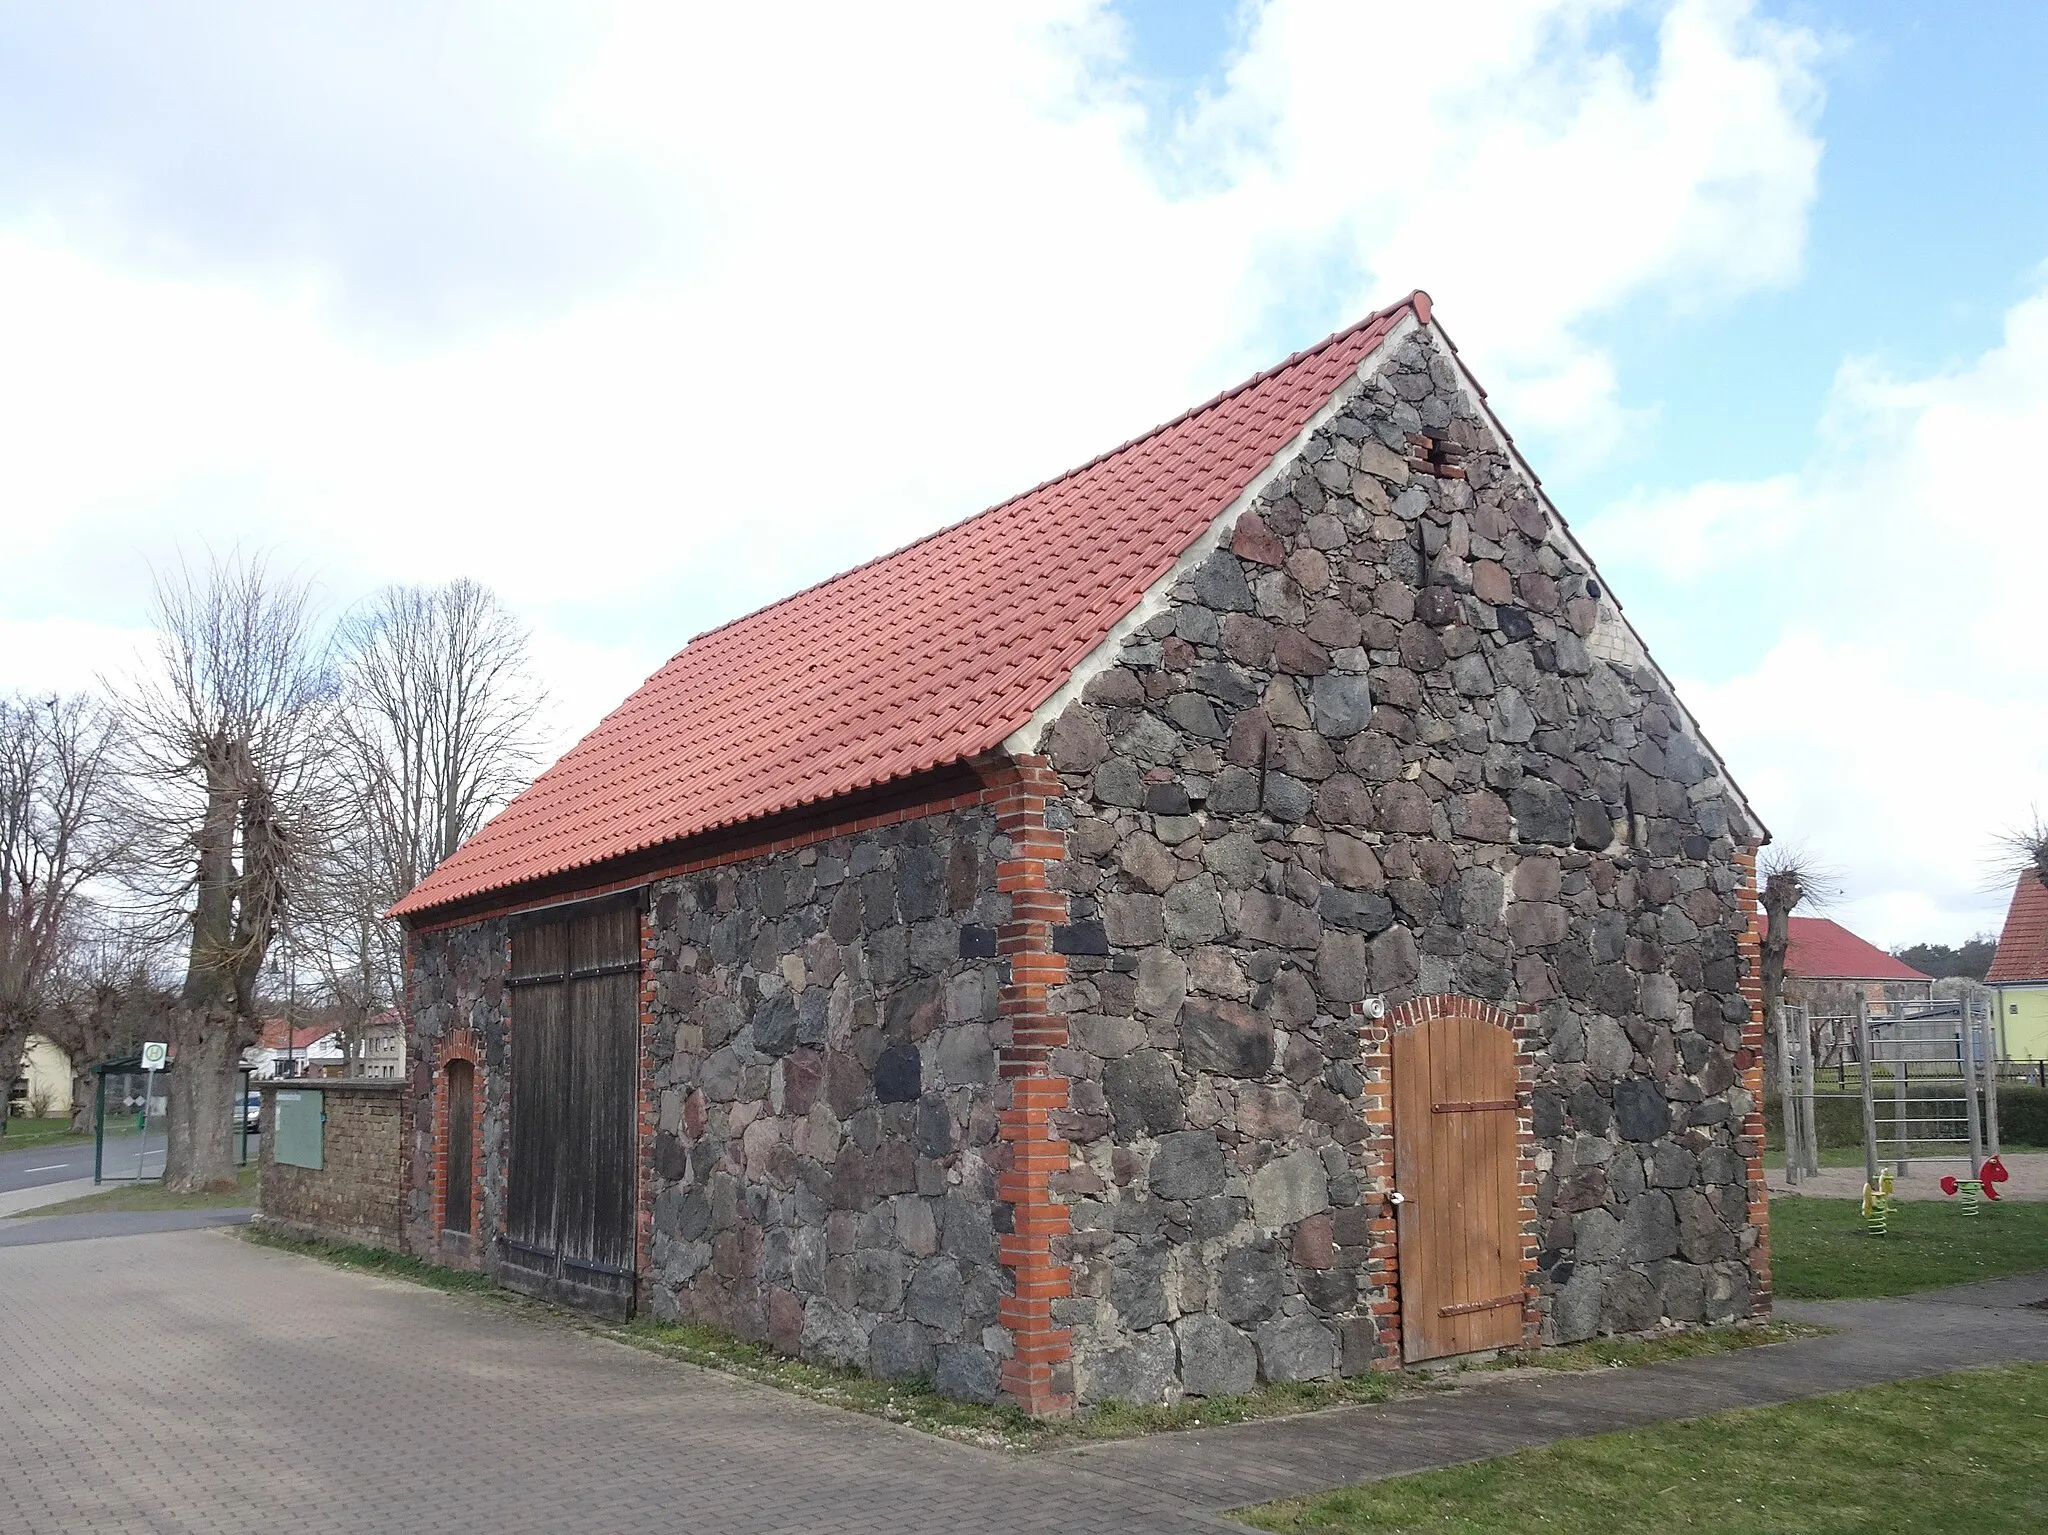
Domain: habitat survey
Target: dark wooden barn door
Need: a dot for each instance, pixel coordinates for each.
(455, 1210)
(1459, 1222)
(573, 1175)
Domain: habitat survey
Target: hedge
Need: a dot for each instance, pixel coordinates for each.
(2022, 1117)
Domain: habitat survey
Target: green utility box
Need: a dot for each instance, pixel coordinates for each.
(301, 1126)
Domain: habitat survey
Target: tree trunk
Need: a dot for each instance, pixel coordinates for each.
(84, 1092)
(14, 1033)
(199, 1155)
(200, 1116)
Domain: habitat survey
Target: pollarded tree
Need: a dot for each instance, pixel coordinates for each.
(2026, 851)
(1785, 888)
(231, 734)
(1791, 879)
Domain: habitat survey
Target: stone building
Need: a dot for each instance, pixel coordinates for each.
(1249, 908)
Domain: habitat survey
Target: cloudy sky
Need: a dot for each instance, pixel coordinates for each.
(647, 315)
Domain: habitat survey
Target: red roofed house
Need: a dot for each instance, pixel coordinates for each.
(320, 1049)
(2019, 973)
(1829, 965)
(294, 1050)
(1247, 909)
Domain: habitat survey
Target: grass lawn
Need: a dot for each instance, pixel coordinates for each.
(23, 1133)
(1820, 1251)
(1960, 1454)
(150, 1196)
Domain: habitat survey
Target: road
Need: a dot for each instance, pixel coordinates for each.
(63, 1161)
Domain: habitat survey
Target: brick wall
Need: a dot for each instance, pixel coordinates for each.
(356, 1196)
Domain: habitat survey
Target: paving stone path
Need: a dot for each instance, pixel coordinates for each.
(188, 1381)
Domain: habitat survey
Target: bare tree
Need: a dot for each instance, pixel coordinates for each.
(439, 712)
(438, 709)
(231, 736)
(111, 1001)
(355, 954)
(57, 835)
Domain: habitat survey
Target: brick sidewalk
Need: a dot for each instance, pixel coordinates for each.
(191, 1382)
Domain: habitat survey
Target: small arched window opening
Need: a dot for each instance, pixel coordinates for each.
(455, 1215)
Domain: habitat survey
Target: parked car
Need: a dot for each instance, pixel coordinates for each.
(251, 1112)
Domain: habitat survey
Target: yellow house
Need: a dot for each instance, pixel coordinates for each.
(42, 1085)
(2019, 973)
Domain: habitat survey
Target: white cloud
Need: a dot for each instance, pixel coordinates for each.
(1497, 155)
(1717, 525)
(1897, 723)
(68, 655)
(914, 259)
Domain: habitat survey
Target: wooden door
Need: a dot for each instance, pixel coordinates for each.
(573, 1178)
(1459, 1222)
(455, 1207)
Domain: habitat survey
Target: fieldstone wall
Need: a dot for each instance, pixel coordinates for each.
(1392, 739)
(458, 1005)
(824, 1053)
(354, 1196)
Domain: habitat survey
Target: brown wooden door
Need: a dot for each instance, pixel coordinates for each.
(1459, 1222)
(573, 1183)
(455, 1214)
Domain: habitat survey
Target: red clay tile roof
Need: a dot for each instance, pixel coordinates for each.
(1826, 951)
(273, 1035)
(925, 657)
(2023, 945)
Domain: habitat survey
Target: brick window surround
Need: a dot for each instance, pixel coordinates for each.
(461, 1046)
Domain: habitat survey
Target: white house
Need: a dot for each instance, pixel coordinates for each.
(315, 1050)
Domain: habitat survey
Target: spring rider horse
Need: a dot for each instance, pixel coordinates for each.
(1877, 1203)
(1986, 1183)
